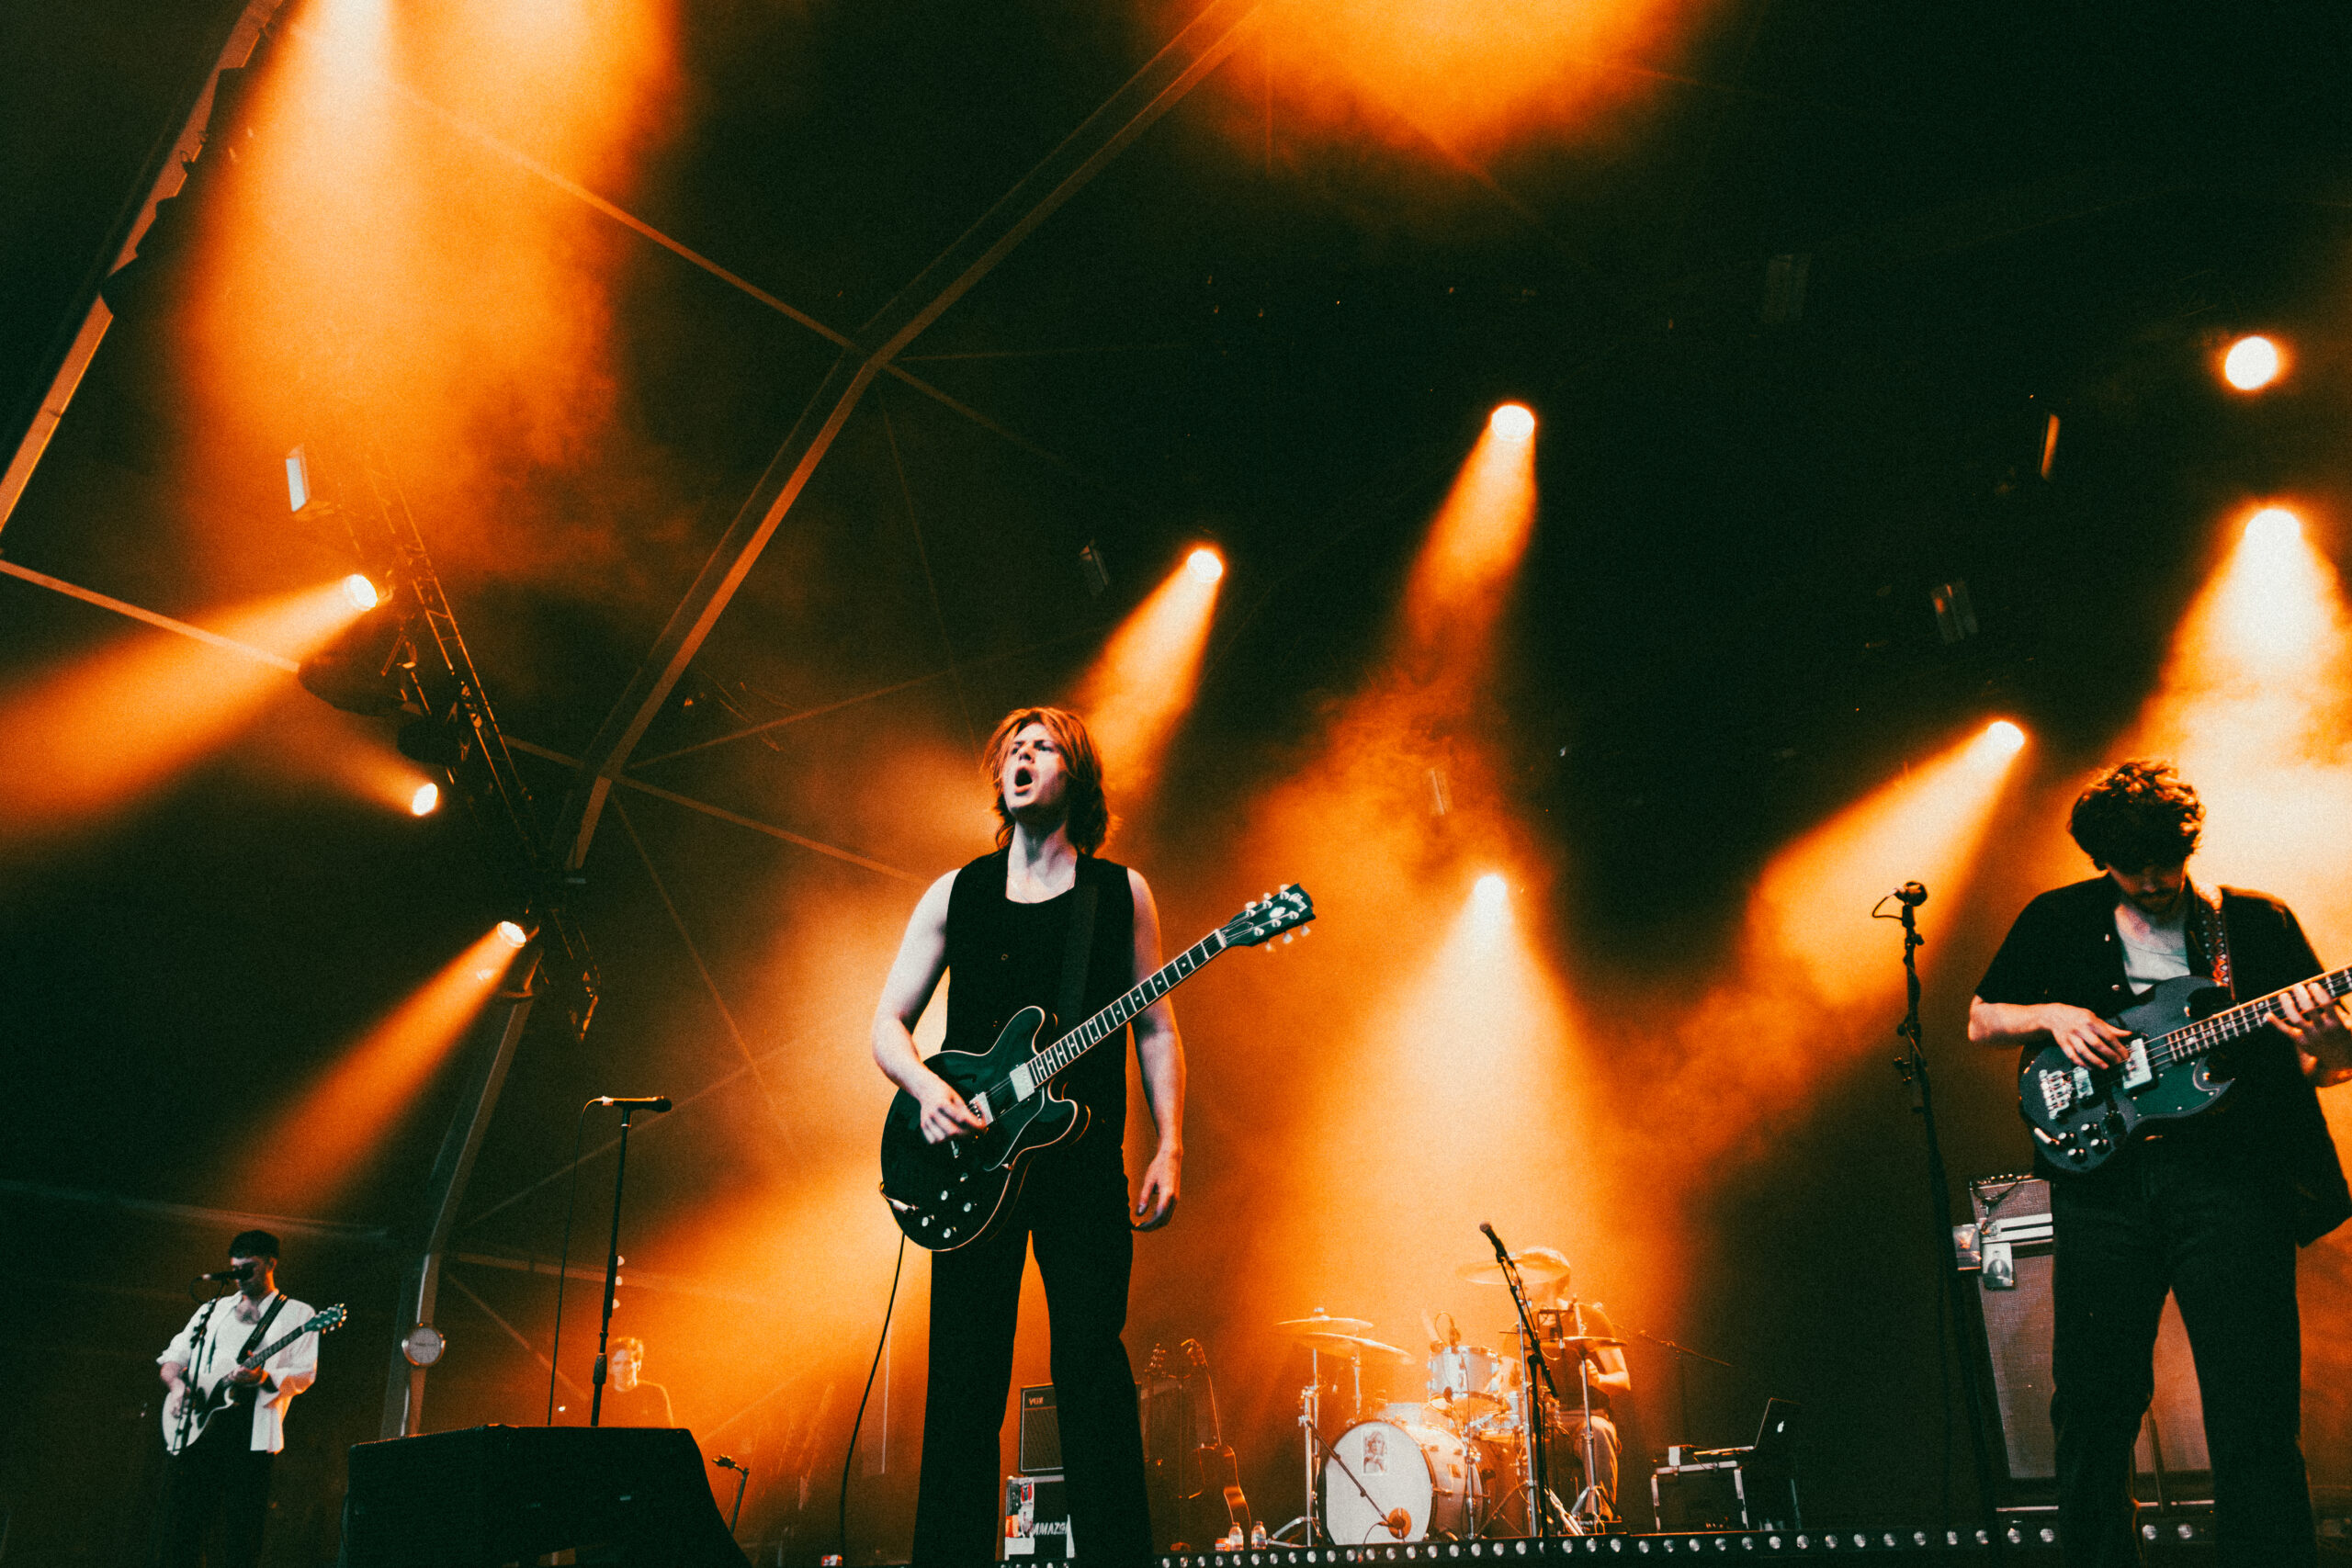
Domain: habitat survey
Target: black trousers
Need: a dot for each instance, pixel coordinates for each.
(1074, 1210)
(2194, 1217)
(218, 1477)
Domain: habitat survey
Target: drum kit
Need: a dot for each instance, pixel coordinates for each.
(1463, 1462)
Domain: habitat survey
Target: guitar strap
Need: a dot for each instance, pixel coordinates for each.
(2213, 935)
(277, 1305)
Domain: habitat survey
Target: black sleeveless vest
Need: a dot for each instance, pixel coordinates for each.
(1003, 957)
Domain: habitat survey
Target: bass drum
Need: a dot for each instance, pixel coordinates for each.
(1387, 1482)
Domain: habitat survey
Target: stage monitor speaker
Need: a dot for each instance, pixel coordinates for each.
(2013, 1267)
(491, 1495)
(1041, 1431)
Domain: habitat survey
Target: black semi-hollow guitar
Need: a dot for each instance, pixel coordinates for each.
(2082, 1115)
(950, 1194)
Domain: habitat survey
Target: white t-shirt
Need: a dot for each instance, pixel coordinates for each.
(207, 1347)
(2153, 951)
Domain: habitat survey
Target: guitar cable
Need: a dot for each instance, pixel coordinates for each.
(842, 1535)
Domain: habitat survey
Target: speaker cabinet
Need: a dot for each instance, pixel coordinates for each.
(499, 1495)
(2013, 1267)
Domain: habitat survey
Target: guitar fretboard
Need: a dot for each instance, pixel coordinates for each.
(2209, 1033)
(1054, 1058)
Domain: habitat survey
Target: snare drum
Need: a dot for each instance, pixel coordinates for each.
(1380, 1469)
(1469, 1381)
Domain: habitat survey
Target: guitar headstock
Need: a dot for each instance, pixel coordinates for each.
(326, 1318)
(1276, 915)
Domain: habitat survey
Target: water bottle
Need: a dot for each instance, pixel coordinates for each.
(1258, 1535)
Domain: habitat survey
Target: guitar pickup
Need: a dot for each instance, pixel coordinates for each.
(2137, 1074)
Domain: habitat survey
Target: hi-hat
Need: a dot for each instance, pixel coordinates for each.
(1537, 1265)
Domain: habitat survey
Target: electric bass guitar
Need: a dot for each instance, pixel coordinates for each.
(950, 1194)
(2082, 1115)
(187, 1409)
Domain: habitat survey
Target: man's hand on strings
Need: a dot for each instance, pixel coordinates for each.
(944, 1115)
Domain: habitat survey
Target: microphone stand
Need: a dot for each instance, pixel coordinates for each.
(612, 1275)
(1539, 1450)
(1912, 1067)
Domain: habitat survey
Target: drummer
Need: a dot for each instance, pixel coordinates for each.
(1610, 1377)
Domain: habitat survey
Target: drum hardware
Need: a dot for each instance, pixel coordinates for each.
(1324, 1335)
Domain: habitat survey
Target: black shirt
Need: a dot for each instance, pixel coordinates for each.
(2064, 948)
(1003, 957)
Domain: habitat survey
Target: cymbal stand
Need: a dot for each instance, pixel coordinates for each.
(1310, 1420)
(1310, 1413)
(1596, 1510)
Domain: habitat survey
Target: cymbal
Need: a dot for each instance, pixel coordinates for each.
(1349, 1345)
(1594, 1341)
(1323, 1323)
(1537, 1265)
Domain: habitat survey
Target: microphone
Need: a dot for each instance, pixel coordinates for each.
(1501, 1252)
(228, 1276)
(1399, 1522)
(724, 1463)
(1911, 894)
(655, 1102)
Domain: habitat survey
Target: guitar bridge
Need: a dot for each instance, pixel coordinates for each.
(2059, 1090)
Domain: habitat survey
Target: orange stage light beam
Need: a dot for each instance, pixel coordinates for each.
(2255, 707)
(1476, 543)
(1142, 683)
(1811, 961)
(1811, 907)
(324, 1139)
(91, 737)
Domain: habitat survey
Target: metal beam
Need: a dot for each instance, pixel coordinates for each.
(1151, 92)
(421, 1282)
(166, 171)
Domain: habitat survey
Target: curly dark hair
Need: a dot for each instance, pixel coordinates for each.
(1090, 810)
(2139, 813)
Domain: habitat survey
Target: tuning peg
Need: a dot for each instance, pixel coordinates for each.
(1286, 938)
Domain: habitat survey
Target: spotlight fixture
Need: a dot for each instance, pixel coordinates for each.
(426, 798)
(299, 488)
(1098, 574)
(2005, 736)
(1205, 565)
(1513, 422)
(2252, 363)
(361, 591)
(1491, 890)
(2273, 525)
(513, 935)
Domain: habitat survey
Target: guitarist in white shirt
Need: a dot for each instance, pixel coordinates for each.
(225, 1473)
(1007, 926)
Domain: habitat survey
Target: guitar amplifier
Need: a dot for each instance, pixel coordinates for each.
(2011, 1256)
(1041, 1432)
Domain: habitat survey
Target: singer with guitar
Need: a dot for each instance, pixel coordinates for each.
(2186, 1152)
(1041, 922)
(221, 1465)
